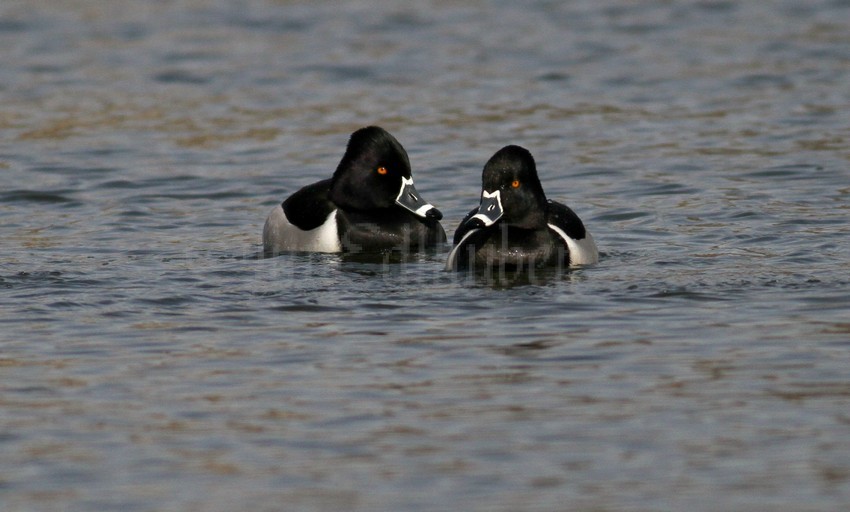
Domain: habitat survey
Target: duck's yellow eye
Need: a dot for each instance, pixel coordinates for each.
(382, 170)
(515, 184)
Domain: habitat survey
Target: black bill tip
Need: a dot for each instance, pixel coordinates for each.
(433, 214)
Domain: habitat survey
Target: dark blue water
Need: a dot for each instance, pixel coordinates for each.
(150, 361)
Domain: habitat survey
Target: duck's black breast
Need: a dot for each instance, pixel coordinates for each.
(387, 229)
(309, 207)
(511, 247)
(464, 227)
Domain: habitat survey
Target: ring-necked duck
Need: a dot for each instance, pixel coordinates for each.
(369, 205)
(515, 225)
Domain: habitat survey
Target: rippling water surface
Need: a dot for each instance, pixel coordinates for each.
(150, 361)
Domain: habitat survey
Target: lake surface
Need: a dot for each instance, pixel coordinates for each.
(150, 361)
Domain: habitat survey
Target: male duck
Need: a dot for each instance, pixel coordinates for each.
(515, 225)
(369, 205)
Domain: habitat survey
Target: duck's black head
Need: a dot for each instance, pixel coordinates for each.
(375, 173)
(511, 191)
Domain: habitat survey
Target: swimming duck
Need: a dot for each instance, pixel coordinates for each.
(368, 205)
(515, 226)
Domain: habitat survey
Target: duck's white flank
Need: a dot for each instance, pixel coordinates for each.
(582, 252)
(280, 235)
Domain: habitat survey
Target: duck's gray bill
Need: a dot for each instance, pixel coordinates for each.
(409, 199)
